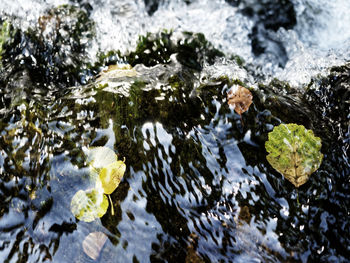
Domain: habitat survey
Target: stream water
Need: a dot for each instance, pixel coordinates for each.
(197, 186)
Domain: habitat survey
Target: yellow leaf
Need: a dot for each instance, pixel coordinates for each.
(111, 176)
(89, 205)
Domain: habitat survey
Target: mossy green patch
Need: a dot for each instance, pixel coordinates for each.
(5, 35)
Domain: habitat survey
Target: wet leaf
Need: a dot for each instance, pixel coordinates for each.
(99, 157)
(192, 255)
(294, 152)
(111, 176)
(93, 244)
(105, 168)
(117, 71)
(240, 98)
(89, 205)
(244, 215)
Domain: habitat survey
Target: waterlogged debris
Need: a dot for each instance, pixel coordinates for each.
(192, 256)
(93, 244)
(240, 98)
(294, 152)
(65, 33)
(89, 205)
(244, 215)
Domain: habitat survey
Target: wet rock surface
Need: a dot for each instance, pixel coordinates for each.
(268, 15)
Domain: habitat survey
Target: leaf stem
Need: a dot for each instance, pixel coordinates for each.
(110, 200)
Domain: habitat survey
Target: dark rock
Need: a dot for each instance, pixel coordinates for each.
(330, 98)
(273, 14)
(233, 2)
(151, 6)
(268, 15)
(54, 51)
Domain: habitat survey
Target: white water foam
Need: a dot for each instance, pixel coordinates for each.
(319, 40)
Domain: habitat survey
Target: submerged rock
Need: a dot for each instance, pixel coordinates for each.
(153, 5)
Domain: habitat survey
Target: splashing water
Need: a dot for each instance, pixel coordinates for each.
(318, 41)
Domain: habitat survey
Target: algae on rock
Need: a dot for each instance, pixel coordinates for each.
(6, 33)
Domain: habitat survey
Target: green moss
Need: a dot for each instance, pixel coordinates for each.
(111, 57)
(6, 32)
(153, 49)
(175, 82)
(239, 60)
(191, 50)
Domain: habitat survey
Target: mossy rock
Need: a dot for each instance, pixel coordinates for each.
(57, 46)
(7, 33)
(191, 50)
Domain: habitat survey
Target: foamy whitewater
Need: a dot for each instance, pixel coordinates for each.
(319, 40)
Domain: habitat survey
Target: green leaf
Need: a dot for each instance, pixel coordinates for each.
(111, 176)
(89, 205)
(294, 152)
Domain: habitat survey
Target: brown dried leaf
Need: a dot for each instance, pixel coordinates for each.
(240, 98)
(94, 243)
(244, 215)
(192, 255)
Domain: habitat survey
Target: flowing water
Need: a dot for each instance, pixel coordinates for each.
(197, 187)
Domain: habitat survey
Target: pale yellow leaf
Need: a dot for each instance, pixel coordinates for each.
(111, 176)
